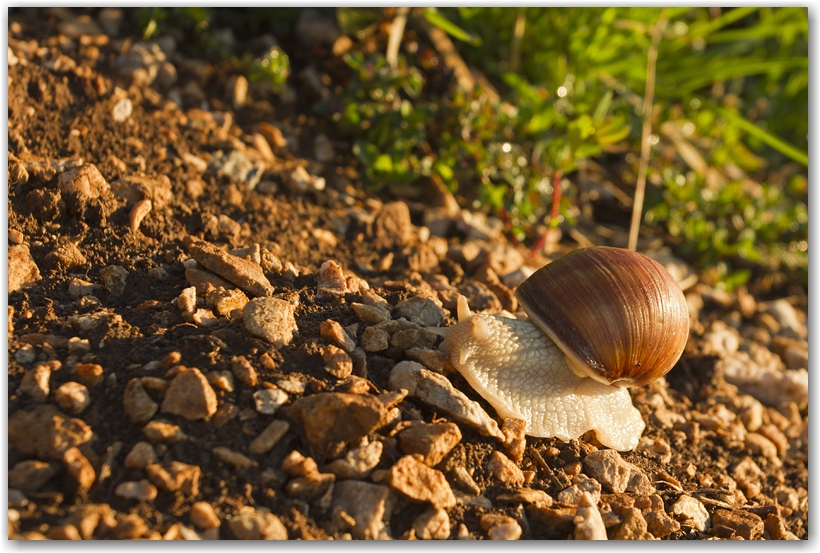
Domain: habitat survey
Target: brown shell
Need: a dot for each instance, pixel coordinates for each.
(618, 315)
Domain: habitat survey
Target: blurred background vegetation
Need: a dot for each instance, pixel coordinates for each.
(553, 101)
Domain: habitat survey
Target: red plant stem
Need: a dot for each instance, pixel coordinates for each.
(556, 193)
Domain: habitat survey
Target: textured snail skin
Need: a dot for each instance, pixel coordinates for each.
(523, 374)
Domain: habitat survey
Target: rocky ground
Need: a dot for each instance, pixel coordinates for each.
(205, 310)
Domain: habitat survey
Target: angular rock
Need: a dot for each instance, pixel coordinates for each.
(362, 508)
(270, 319)
(374, 339)
(433, 441)
(392, 226)
(330, 281)
(435, 390)
(140, 456)
(432, 524)
(747, 525)
(334, 332)
(113, 278)
(190, 396)
(138, 404)
(417, 481)
(22, 268)
(83, 182)
(79, 467)
(358, 462)
(253, 524)
(422, 311)
(135, 188)
(244, 273)
(500, 527)
(371, 313)
(244, 371)
(35, 383)
(337, 362)
(175, 476)
(46, 433)
(225, 301)
(615, 474)
(504, 470)
(330, 417)
(268, 401)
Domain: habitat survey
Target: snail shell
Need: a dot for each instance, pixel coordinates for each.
(618, 316)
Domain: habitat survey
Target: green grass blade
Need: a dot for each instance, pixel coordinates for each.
(773, 141)
(434, 17)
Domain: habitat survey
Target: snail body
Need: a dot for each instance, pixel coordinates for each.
(602, 319)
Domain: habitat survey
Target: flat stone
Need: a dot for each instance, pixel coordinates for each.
(253, 524)
(45, 432)
(269, 437)
(270, 319)
(22, 268)
(138, 405)
(337, 417)
(615, 474)
(362, 508)
(435, 390)
(432, 524)
(190, 396)
(142, 490)
(72, 397)
(163, 431)
(203, 281)
(417, 481)
(31, 475)
(422, 311)
(371, 313)
(747, 525)
(244, 273)
(433, 441)
(268, 401)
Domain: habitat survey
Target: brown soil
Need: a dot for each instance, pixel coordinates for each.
(57, 114)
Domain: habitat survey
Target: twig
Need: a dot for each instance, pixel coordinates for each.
(640, 188)
(394, 40)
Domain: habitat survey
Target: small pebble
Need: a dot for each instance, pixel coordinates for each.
(142, 490)
(268, 401)
(419, 482)
(252, 524)
(271, 319)
(204, 516)
(269, 437)
(72, 397)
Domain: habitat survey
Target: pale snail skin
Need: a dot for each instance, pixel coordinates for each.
(526, 373)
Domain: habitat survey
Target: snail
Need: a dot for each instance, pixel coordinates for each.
(600, 319)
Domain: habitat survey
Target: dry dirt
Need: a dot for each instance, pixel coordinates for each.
(62, 93)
